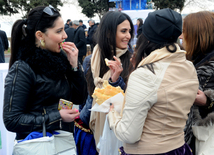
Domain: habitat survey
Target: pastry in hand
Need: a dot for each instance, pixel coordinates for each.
(60, 44)
(106, 61)
(108, 91)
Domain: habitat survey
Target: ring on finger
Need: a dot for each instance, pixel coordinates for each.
(73, 49)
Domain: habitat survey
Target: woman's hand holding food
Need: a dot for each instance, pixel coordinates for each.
(69, 115)
(72, 53)
(116, 68)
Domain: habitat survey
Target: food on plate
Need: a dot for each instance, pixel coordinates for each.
(108, 91)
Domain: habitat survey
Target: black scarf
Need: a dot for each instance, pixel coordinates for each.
(44, 62)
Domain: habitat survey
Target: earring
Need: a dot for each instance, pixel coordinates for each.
(42, 42)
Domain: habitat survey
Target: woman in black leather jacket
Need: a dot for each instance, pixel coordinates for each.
(40, 74)
(198, 41)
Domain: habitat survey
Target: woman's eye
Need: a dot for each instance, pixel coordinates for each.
(59, 31)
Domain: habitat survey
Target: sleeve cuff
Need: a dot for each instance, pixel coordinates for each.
(119, 82)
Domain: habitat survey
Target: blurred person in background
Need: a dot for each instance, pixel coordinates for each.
(3, 45)
(79, 40)
(82, 25)
(91, 32)
(4, 39)
(67, 24)
(70, 33)
(139, 26)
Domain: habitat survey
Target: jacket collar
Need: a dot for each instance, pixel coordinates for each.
(164, 55)
(201, 58)
(43, 62)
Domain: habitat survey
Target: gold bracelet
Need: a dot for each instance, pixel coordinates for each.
(82, 128)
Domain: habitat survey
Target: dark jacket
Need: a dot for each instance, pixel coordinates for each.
(70, 34)
(33, 87)
(202, 116)
(139, 31)
(91, 31)
(4, 39)
(66, 26)
(83, 26)
(2, 58)
(80, 41)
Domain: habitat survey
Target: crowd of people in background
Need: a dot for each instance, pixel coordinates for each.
(78, 33)
(168, 86)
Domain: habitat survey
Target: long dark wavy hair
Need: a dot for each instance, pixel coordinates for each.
(23, 31)
(105, 37)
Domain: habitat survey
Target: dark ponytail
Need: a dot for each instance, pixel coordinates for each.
(16, 38)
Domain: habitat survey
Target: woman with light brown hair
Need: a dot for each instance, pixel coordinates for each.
(198, 41)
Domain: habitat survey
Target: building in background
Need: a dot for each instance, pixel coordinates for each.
(132, 4)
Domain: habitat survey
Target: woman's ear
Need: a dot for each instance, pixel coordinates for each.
(39, 35)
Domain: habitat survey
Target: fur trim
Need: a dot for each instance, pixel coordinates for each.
(43, 62)
(209, 93)
(207, 121)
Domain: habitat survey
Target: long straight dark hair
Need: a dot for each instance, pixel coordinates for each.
(23, 31)
(105, 37)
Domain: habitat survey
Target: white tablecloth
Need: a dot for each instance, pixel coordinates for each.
(7, 138)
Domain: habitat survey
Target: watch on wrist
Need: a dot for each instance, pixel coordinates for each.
(75, 69)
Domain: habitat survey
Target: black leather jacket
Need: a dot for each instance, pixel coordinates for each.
(31, 96)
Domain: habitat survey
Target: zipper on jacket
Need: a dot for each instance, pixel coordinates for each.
(44, 111)
(54, 122)
(60, 124)
(14, 80)
(60, 120)
(67, 80)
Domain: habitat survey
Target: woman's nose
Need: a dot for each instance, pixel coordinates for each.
(181, 36)
(65, 35)
(128, 35)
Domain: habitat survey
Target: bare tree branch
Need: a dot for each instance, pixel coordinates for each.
(205, 4)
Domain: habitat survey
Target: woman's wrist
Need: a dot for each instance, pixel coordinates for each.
(75, 66)
(75, 69)
(112, 80)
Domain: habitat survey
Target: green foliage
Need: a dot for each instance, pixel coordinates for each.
(92, 7)
(173, 4)
(8, 7)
